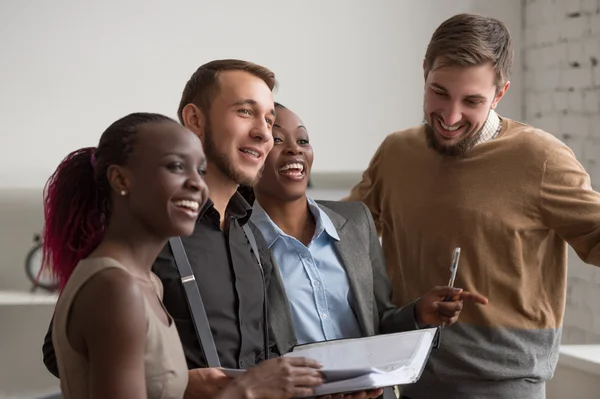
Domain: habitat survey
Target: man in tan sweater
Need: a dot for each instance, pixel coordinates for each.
(510, 195)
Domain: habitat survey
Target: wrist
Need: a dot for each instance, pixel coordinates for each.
(419, 316)
(417, 312)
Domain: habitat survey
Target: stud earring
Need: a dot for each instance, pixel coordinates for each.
(123, 192)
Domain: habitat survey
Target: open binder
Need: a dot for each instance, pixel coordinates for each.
(359, 364)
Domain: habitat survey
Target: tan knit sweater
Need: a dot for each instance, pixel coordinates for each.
(510, 204)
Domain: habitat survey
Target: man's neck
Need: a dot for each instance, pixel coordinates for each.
(292, 217)
(220, 189)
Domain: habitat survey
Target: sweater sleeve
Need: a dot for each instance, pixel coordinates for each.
(570, 206)
(368, 190)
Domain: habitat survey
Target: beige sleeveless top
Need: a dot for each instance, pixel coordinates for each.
(165, 364)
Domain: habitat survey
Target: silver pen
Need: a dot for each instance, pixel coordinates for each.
(454, 266)
(453, 269)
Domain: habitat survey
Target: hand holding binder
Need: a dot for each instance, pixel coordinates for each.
(363, 364)
(293, 377)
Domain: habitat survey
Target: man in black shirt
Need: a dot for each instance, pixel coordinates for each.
(229, 105)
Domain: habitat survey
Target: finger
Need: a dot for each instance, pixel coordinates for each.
(374, 393)
(370, 394)
(306, 381)
(301, 392)
(445, 317)
(302, 362)
(355, 395)
(474, 297)
(214, 372)
(305, 372)
(450, 308)
(441, 291)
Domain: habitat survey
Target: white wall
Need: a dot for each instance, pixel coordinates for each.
(350, 68)
(562, 87)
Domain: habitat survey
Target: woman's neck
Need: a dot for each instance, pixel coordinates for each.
(292, 217)
(129, 243)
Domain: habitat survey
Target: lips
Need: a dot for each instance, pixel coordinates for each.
(450, 131)
(252, 153)
(189, 206)
(294, 170)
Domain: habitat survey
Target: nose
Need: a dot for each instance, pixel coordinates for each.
(261, 131)
(452, 115)
(293, 148)
(196, 183)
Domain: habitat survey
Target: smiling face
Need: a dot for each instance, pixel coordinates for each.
(237, 134)
(165, 189)
(457, 103)
(288, 165)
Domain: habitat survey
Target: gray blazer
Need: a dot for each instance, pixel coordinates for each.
(361, 255)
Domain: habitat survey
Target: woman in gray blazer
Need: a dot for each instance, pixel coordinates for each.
(329, 256)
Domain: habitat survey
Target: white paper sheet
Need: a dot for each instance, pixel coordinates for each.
(366, 363)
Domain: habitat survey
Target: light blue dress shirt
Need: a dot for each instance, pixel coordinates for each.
(315, 281)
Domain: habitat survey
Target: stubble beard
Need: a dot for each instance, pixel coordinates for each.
(225, 164)
(458, 149)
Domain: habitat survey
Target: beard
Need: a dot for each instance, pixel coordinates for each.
(458, 149)
(224, 163)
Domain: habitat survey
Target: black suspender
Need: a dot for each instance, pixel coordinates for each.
(252, 241)
(196, 304)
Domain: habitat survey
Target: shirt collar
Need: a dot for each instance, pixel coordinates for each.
(324, 223)
(272, 232)
(237, 207)
(491, 128)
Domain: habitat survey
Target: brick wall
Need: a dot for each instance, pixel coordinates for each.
(561, 53)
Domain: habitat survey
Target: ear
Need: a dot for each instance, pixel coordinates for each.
(120, 179)
(500, 94)
(194, 119)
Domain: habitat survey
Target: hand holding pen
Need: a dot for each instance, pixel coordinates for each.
(442, 305)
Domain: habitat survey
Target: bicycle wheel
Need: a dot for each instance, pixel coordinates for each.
(42, 278)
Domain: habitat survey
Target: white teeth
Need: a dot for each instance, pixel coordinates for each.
(298, 166)
(450, 128)
(251, 152)
(192, 205)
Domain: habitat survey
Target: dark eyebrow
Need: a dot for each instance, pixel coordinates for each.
(476, 97)
(177, 154)
(470, 96)
(249, 101)
(245, 101)
(302, 127)
(184, 157)
(439, 87)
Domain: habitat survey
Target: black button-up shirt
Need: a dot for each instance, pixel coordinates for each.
(230, 282)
